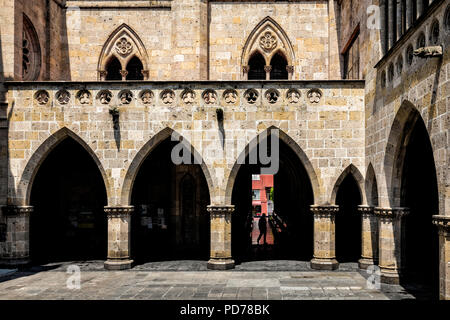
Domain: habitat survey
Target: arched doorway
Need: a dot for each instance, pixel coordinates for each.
(113, 69)
(68, 195)
(290, 223)
(134, 68)
(420, 194)
(256, 67)
(348, 221)
(170, 221)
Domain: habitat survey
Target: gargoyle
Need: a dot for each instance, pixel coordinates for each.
(428, 52)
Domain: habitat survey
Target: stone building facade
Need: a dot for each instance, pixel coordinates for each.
(353, 90)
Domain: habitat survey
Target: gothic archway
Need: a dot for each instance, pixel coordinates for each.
(31, 51)
(68, 195)
(290, 223)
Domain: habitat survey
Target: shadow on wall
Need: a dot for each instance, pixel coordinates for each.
(65, 70)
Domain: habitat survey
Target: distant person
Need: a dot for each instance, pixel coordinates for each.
(262, 225)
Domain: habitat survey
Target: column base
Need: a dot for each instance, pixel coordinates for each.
(364, 263)
(390, 276)
(118, 264)
(220, 264)
(15, 263)
(324, 264)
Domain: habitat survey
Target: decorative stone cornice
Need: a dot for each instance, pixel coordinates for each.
(324, 211)
(366, 211)
(391, 213)
(224, 209)
(442, 222)
(17, 210)
(119, 211)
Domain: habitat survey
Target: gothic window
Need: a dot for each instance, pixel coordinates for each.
(124, 48)
(421, 41)
(278, 70)
(267, 53)
(31, 52)
(134, 69)
(256, 67)
(351, 59)
(113, 69)
(434, 33)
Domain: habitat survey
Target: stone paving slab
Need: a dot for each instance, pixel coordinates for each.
(50, 283)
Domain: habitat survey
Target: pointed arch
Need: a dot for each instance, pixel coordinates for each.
(268, 31)
(352, 170)
(123, 44)
(39, 156)
(399, 136)
(371, 187)
(31, 51)
(291, 144)
(145, 151)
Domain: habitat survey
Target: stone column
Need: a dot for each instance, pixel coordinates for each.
(369, 237)
(443, 224)
(409, 13)
(15, 250)
(119, 220)
(124, 74)
(245, 70)
(390, 233)
(399, 32)
(392, 23)
(267, 69)
(324, 237)
(290, 70)
(420, 8)
(220, 237)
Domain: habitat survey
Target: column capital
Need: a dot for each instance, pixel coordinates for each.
(119, 211)
(103, 74)
(391, 213)
(366, 210)
(17, 210)
(146, 74)
(324, 210)
(290, 69)
(442, 222)
(267, 68)
(245, 69)
(220, 209)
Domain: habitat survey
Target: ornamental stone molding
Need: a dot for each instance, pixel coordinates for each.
(251, 95)
(209, 96)
(230, 96)
(31, 51)
(268, 41)
(442, 222)
(220, 209)
(63, 97)
(188, 96)
(147, 96)
(386, 214)
(17, 210)
(324, 211)
(366, 211)
(124, 46)
(84, 96)
(314, 95)
(272, 95)
(42, 97)
(116, 212)
(125, 96)
(167, 96)
(104, 96)
(293, 96)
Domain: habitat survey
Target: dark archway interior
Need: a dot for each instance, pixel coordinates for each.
(113, 70)
(256, 64)
(348, 221)
(170, 221)
(134, 69)
(68, 195)
(419, 193)
(292, 199)
(279, 64)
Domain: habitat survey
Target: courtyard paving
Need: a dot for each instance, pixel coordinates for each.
(190, 280)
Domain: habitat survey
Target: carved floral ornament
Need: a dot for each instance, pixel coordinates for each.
(167, 96)
(63, 97)
(230, 96)
(42, 97)
(125, 96)
(209, 96)
(147, 96)
(188, 96)
(84, 96)
(314, 95)
(104, 96)
(272, 96)
(124, 46)
(268, 41)
(293, 96)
